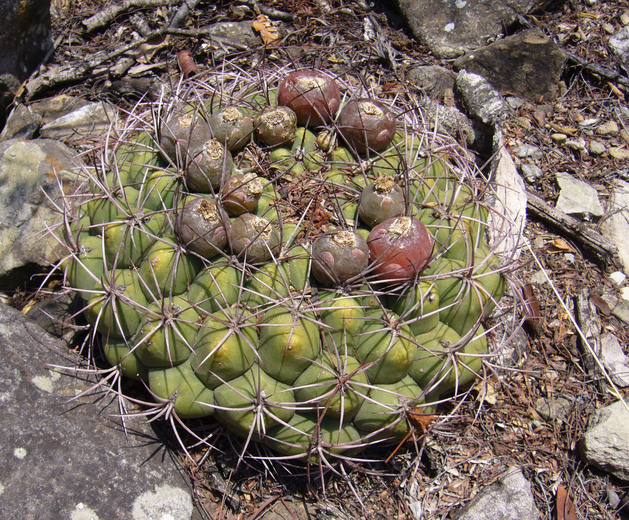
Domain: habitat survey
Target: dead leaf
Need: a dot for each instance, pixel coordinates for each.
(531, 308)
(601, 304)
(147, 51)
(186, 63)
(264, 26)
(421, 421)
(565, 507)
(559, 245)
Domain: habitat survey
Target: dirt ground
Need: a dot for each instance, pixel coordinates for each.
(498, 425)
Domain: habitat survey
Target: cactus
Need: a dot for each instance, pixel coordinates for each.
(308, 274)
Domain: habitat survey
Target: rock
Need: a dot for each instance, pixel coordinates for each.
(528, 64)
(433, 80)
(56, 314)
(448, 120)
(55, 107)
(509, 203)
(232, 34)
(482, 101)
(621, 311)
(608, 128)
(596, 148)
(516, 103)
(31, 174)
(620, 154)
(510, 498)
(72, 459)
(619, 46)
(559, 138)
(553, 409)
(22, 123)
(605, 444)
(539, 277)
(531, 172)
(616, 226)
(618, 277)
(91, 121)
(528, 151)
(452, 27)
(9, 86)
(575, 144)
(577, 197)
(614, 360)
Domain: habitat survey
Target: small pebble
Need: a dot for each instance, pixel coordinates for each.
(539, 277)
(624, 135)
(569, 258)
(608, 28)
(624, 18)
(597, 148)
(559, 138)
(618, 277)
(530, 172)
(524, 122)
(527, 151)
(515, 102)
(576, 144)
(624, 292)
(587, 123)
(621, 154)
(608, 128)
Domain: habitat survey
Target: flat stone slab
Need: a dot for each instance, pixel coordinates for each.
(452, 27)
(510, 498)
(577, 197)
(528, 64)
(606, 441)
(71, 459)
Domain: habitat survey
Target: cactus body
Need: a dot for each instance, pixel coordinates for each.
(309, 288)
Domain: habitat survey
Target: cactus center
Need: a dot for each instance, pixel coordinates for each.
(208, 211)
(310, 83)
(401, 226)
(275, 117)
(384, 184)
(252, 184)
(262, 227)
(370, 109)
(213, 150)
(231, 115)
(186, 120)
(345, 239)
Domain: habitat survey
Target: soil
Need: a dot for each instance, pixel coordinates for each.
(498, 425)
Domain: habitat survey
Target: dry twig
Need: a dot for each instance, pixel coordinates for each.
(573, 228)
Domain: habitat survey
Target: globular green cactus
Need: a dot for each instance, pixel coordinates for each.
(309, 273)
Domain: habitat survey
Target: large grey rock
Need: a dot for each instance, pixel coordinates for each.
(619, 45)
(22, 123)
(615, 225)
(433, 80)
(577, 197)
(447, 120)
(615, 361)
(482, 101)
(91, 121)
(510, 498)
(32, 173)
(528, 64)
(452, 27)
(606, 441)
(72, 459)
